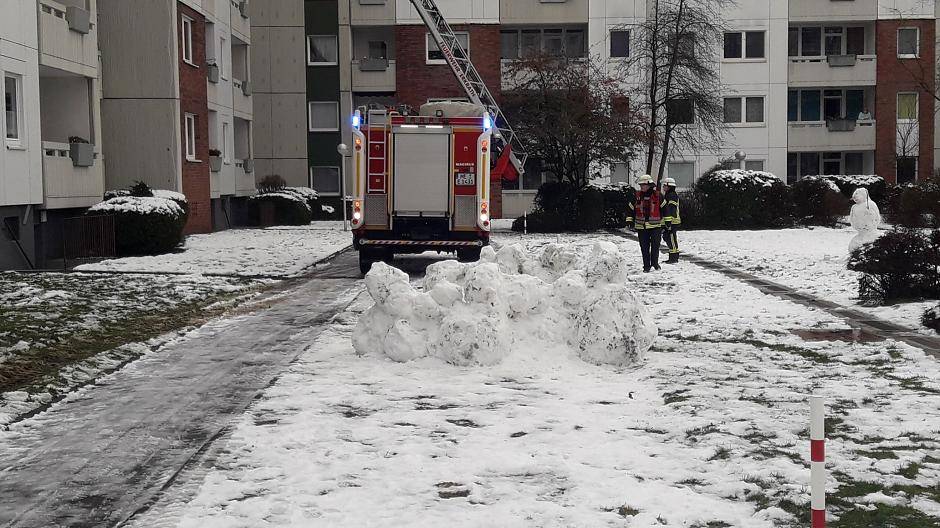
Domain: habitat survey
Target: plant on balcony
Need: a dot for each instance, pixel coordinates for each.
(147, 222)
(215, 160)
(212, 71)
(81, 151)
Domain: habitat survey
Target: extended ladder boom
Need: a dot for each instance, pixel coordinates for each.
(469, 78)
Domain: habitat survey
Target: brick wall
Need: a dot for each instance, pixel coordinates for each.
(194, 99)
(418, 81)
(902, 75)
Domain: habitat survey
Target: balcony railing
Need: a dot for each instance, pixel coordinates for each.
(373, 75)
(67, 185)
(66, 39)
(831, 135)
(833, 70)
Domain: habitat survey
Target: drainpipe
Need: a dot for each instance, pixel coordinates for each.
(16, 241)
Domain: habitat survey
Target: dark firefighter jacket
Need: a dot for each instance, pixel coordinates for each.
(671, 208)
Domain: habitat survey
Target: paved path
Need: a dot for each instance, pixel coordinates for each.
(95, 458)
(855, 318)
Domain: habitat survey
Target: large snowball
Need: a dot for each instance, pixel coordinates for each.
(470, 339)
(613, 328)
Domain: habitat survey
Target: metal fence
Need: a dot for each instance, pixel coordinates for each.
(88, 237)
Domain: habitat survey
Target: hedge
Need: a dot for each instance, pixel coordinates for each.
(560, 206)
(144, 225)
(286, 208)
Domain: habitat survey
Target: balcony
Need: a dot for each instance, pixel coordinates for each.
(241, 24)
(372, 12)
(543, 11)
(242, 94)
(68, 37)
(831, 10)
(373, 75)
(64, 184)
(835, 135)
(244, 178)
(835, 70)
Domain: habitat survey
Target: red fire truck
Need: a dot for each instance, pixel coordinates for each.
(421, 183)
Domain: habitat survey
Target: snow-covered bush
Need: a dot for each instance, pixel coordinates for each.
(876, 185)
(901, 264)
(281, 207)
(559, 206)
(741, 199)
(145, 225)
(508, 302)
(306, 193)
(931, 318)
(818, 201)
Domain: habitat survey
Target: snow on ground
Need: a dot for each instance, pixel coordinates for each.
(282, 251)
(809, 260)
(710, 430)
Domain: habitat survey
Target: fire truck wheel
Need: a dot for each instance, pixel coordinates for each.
(365, 262)
(469, 254)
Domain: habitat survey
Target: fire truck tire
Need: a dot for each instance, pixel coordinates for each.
(468, 254)
(365, 262)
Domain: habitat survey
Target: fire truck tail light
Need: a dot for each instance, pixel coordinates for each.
(486, 144)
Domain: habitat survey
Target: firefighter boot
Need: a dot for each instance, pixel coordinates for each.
(673, 258)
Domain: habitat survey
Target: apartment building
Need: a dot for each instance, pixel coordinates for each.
(51, 166)
(809, 87)
(177, 106)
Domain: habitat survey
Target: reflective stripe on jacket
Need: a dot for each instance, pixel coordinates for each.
(645, 212)
(671, 208)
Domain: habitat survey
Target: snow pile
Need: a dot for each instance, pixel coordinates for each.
(473, 314)
(139, 204)
(737, 177)
(828, 181)
(450, 109)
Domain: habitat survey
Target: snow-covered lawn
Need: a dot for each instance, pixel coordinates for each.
(710, 430)
(283, 251)
(809, 260)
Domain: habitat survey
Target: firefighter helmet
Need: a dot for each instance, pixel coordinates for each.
(645, 179)
(669, 182)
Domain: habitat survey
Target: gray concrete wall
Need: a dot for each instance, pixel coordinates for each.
(142, 142)
(138, 49)
(10, 255)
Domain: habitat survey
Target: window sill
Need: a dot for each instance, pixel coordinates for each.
(15, 146)
(193, 160)
(744, 60)
(323, 130)
(908, 56)
(322, 63)
(746, 125)
(441, 62)
(191, 63)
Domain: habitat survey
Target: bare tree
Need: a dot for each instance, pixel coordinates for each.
(676, 53)
(570, 115)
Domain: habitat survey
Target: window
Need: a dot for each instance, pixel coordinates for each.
(829, 40)
(223, 143)
(378, 49)
(908, 43)
(754, 165)
(811, 42)
(436, 56)
(855, 41)
(832, 104)
(804, 105)
(13, 108)
(907, 107)
(833, 40)
(680, 112)
(220, 60)
(753, 111)
(854, 163)
(509, 44)
(189, 131)
(744, 45)
(831, 163)
(325, 180)
(324, 116)
(793, 42)
(322, 50)
(187, 40)
(619, 43)
(683, 172)
(553, 42)
(809, 164)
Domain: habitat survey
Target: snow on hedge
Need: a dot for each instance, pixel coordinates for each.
(304, 192)
(286, 195)
(475, 314)
(856, 180)
(832, 184)
(170, 195)
(138, 204)
(740, 177)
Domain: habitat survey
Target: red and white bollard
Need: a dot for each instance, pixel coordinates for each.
(817, 465)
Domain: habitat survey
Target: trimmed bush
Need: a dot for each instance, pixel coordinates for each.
(559, 206)
(144, 225)
(818, 201)
(876, 185)
(306, 194)
(590, 207)
(740, 199)
(931, 318)
(900, 265)
(691, 210)
(617, 200)
(271, 183)
(280, 208)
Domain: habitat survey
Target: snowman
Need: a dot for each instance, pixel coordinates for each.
(865, 219)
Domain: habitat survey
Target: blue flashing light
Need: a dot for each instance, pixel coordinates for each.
(356, 120)
(487, 122)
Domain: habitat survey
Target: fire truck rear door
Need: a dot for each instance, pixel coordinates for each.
(421, 183)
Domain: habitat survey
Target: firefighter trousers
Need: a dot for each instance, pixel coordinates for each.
(672, 241)
(649, 246)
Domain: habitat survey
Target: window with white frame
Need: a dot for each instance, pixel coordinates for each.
(744, 45)
(322, 50)
(744, 109)
(223, 143)
(189, 132)
(220, 60)
(683, 172)
(13, 108)
(325, 180)
(908, 43)
(187, 40)
(531, 42)
(323, 116)
(907, 107)
(434, 55)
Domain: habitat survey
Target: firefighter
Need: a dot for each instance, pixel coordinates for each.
(648, 221)
(671, 219)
